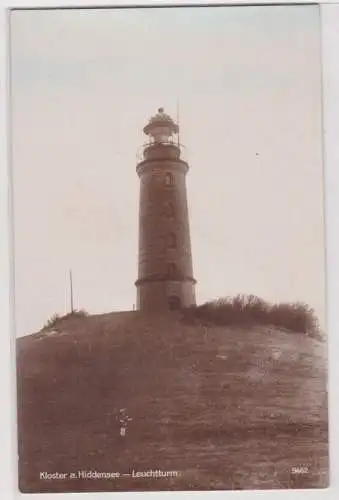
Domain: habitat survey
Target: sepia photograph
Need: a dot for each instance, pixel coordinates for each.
(169, 248)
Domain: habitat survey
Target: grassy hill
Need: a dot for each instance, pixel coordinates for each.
(232, 407)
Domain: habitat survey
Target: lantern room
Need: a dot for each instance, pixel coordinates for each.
(161, 128)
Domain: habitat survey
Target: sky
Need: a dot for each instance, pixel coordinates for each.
(84, 83)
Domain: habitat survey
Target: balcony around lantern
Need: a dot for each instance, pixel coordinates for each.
(160, 150)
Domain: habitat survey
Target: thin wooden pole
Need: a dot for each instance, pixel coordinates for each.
(178, 121)
(71, 289)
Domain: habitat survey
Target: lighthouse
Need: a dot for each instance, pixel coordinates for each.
(165, 271)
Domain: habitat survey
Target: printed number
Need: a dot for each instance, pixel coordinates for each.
(299, 470)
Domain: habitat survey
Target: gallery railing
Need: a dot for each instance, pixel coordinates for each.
(140, 156)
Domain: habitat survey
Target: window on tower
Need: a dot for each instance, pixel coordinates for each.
(169, 209)
(169, 180)
(171, 241)
(172, 269)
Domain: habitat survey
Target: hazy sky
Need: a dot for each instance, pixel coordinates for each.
(84, 83)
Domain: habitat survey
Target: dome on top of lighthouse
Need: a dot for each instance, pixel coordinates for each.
(161, 119)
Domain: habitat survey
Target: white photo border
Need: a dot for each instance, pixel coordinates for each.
(330, 64)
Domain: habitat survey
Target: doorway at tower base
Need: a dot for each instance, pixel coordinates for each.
(174, 302)
(160, 296)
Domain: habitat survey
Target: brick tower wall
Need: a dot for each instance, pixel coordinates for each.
(165, 259)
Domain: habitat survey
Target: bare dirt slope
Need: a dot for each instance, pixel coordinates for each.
(229, 408)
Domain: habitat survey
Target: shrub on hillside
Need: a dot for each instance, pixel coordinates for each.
(55, 320)
(298, 317)
(51, 322)
(249, 309)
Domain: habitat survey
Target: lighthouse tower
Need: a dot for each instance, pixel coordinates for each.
(165, 276)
